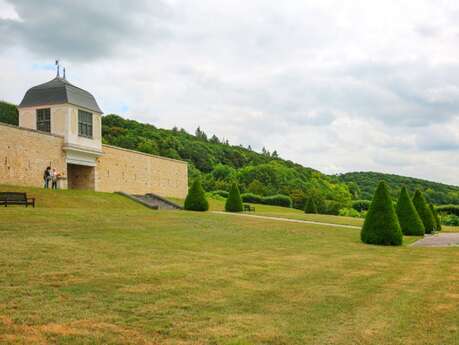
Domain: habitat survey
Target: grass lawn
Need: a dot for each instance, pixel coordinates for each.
(283, 212)
(96, 268)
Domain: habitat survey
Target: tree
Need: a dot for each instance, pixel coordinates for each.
(196, 199)
(9, 113)
(408, 217)
(436, 217)
(310, 206)
(256, 187)
(381, 225)
(424, 211)
(234, 201)
(199, 133)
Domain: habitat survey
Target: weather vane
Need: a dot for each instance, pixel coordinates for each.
(57, 67)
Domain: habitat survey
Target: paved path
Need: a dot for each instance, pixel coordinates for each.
(438, 240)
(287, 220)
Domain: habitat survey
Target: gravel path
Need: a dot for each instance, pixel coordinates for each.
(288, 220)
(438, 240)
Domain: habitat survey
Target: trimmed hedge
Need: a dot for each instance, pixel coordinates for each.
(448, 209)
(274, 200)
(424, 211)
(435, 217)
(409, 219)
(252, 198)
(222, 193)
(278, 200)
(196, 198)
(450, 219)
(381, 224)
(310, 206)
(234, 202)
(361, 205)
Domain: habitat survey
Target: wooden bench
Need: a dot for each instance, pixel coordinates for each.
(248, 208)
(15, 198)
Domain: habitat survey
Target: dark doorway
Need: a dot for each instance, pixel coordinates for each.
(81, 177)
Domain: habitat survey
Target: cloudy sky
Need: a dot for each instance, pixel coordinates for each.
(335, 85)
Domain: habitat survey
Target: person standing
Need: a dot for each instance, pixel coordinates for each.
(46, 177)
(54, 178)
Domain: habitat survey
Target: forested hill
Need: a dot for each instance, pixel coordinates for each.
(218, 163)
(367, 182)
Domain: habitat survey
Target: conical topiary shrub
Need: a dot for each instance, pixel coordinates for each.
(310, 206)
(196, 198)
(424, 212)
(435, 217)
(408, 217)
(234, 201)
(381, 224)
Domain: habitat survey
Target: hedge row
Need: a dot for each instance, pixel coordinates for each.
(361, 205)
(448, 209)
(275, 200)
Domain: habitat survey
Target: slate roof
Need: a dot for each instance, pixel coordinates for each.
(59, 91)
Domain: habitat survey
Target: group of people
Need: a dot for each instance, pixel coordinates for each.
(51, 175)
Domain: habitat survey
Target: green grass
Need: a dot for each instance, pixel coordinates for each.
(87, 273)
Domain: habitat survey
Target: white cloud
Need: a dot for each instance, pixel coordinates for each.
(338, 86)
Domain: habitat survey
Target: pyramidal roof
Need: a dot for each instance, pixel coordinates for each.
(59, 91)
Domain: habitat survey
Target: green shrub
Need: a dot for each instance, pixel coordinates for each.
(9, 113)
(252, 198)
(310, 206)
(349, 212)
(424, 212)
(196, 199)
(437, 221)
(361, 205)
(450, 219)
(381, 225)
(408, 217)
(331, 207)
(222, 193)
(278, 200)
(448, 209)
(234, 201)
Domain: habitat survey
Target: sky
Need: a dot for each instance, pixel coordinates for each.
(334, 85)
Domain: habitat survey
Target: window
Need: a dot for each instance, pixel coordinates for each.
(44, 120)
(84, 124)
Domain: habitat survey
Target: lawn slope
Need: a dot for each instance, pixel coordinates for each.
(83, 272)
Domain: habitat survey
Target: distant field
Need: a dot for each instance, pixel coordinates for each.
(96, 268)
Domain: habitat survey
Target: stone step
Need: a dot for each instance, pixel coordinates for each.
(152, 201)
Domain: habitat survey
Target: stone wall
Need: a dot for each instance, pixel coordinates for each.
(138, 173)
(25, 154)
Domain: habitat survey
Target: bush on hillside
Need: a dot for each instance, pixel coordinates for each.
(9, 113)
(448, 209)
(196, 199)
(381, 224)
(361, 205)
(436, 218)
(252, 198)
(278, 200)
(222, 193)
(450, 219)
(408, 217)
(331, 207)
(310, 206)
(234, 201)
(350, 212)
(424, 212)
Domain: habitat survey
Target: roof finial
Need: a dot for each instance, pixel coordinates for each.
(58, 67)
